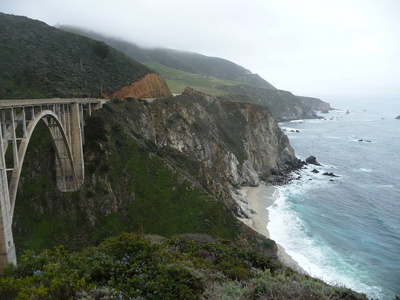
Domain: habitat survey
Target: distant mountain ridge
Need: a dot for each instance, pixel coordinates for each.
(215, 76)
(180, 60)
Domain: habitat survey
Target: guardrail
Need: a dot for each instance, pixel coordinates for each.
(30, 102)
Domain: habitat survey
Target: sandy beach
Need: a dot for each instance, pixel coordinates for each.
(259, 199)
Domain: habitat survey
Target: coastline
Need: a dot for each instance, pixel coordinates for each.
(259, 199)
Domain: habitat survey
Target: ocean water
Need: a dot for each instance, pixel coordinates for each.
(346, 231)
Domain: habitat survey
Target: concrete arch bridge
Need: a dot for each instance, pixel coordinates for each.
(18, 119)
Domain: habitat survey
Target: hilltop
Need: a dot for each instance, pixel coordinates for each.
(40, 61)
(214, 76)
(188, 62)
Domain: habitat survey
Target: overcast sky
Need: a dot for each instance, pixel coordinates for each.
(327, 49)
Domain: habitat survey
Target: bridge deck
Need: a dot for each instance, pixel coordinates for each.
(33, 102)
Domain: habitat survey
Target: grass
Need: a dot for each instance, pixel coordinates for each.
(178, 80)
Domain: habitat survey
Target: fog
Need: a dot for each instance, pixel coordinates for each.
(331, 49)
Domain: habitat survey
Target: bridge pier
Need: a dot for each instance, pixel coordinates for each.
(64, 119)
(7, 247)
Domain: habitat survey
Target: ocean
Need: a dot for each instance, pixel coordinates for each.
(345, 230)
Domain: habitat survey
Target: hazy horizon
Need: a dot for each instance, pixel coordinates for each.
(325, 49)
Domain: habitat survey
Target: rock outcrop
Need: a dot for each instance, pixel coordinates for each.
(398, 117)
(235, 143)
(283, 105)
(150, 86)
(312, 160)
(315, 104)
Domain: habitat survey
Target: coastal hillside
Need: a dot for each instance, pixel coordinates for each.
(161, 169)
(283, 104)
(315, 103)
(214, 76)
(160, 213)
(40, 61)
(188, 62)
(208, 66)
(167, 167)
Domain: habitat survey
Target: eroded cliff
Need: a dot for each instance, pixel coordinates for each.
(238, 142)
(283, 104)
(315, 103)
(167, 167)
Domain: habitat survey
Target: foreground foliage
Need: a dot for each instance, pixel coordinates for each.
(130, 266)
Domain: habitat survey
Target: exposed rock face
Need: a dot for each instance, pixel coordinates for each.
(315, 103)
(282, 104)
(235, 143)
(151, 86)
(398, 117)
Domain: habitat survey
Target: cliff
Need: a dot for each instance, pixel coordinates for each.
(166, 168)
(237, 142)
(171, 166)
(283, 104)
(315, 103)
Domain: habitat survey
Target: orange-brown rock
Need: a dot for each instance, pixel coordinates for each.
(150, 86)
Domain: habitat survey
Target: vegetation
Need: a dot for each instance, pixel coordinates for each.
(178, 80)
(131, 266)
(128, 187)
(131, 185)
(180, 68)
(282, 104)
(39, 61)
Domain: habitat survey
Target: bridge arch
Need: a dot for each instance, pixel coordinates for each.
(66, 176)
(64, 120)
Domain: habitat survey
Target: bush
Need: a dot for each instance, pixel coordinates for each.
(130, 266)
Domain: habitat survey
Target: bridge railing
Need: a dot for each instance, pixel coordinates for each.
(30, 102)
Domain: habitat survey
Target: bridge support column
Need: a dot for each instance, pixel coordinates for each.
(77, 143)
(7, 247)
(70, 176)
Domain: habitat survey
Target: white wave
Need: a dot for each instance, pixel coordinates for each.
(366, 170)
(290, 130)
(389, 186)
(311, 252)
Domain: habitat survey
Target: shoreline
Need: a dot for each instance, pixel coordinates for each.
(259, 199)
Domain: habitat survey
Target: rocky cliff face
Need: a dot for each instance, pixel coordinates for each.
(283, 104)
(238, 143)
(150, 86)
(315, 103)
(167, 167)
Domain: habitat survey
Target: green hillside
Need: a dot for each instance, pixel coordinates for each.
(180, 68)
(131, 185)
(40, 61)
(178, 80)
(205, 65)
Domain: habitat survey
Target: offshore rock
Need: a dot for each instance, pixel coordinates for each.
(398, 117)
(312, 160)
(330, 174)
